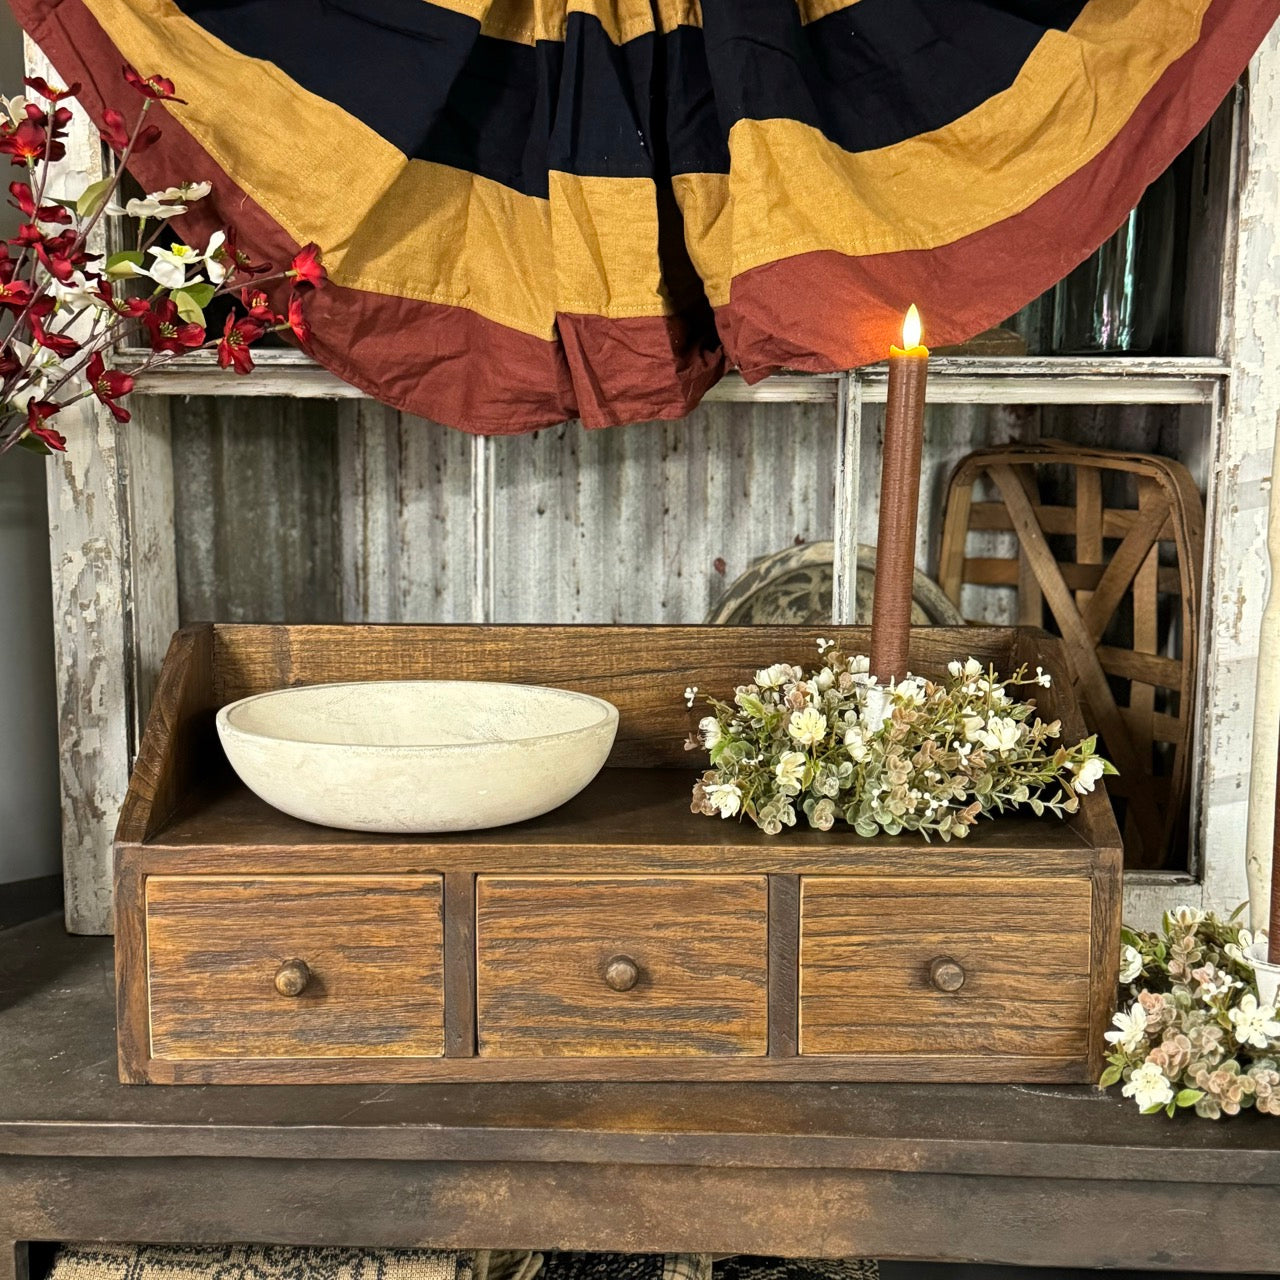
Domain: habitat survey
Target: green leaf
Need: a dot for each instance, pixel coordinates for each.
(188, 308)
(1110, 1076)
(34, 444)
(118, 263)
(91, 198)
(202, 292)
(1169, 1109)
(1189, 1097)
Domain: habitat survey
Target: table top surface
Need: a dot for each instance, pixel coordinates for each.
(59, 1096)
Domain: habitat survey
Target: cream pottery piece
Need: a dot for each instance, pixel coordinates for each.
(417, 755)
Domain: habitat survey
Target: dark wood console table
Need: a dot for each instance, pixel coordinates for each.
(1037, 1175)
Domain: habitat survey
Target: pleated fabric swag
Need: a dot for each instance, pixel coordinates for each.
(534, 210)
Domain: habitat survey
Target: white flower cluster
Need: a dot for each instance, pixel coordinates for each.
(918, 754)
(1194, 1033)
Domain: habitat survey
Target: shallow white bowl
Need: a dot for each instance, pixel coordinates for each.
(417, 755)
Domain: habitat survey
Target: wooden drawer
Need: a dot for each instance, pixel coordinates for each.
(372, 945)
(689, 958)
(963, 965)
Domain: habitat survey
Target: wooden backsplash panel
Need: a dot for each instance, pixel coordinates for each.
(642, 670)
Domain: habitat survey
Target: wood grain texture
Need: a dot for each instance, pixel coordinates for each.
(133, 1032)
(1046, 1219)
(632, 1069)
(1106, 906)
(459, 964)
(179, 741)
(543, 945)
(784, 958)
(867, 946)
(373, 946)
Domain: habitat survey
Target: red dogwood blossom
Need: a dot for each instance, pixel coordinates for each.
(258, 306)
(26, 142)
(168, 332)
(235, 259)
(130, 306)
(233, 349)
(15, 295)
(51, 93)
(25, 202)
(157, 88)
(38, 414)
(306, 267)
(115, 133)
(298, 323)
(62, 345)
(108, 385)
(62, 255)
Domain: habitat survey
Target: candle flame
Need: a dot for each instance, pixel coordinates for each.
(911, 330)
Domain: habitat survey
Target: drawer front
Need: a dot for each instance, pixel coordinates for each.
(221, 987)
(667, 966)
(963, 965)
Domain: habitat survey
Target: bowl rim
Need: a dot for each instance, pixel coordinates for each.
(225, 725)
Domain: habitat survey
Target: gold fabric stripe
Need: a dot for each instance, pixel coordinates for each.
(1070, 100)
(526, 21)
(622, 20)
(428, 232)
(604, 233)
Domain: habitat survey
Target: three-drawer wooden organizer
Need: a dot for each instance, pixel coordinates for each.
(619, 937)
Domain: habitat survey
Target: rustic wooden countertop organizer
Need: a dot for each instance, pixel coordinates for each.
(619, 937)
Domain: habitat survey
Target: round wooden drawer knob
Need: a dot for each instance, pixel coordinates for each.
(292, 977)
(946, 974)
(621, 973)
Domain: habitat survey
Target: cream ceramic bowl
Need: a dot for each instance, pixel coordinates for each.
(417, 755)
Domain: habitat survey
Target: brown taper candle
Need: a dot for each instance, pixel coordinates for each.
(899, 503)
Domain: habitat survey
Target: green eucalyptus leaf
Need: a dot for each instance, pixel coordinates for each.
(202, 292)
(117, 266)
(188, 308)
(91, 198)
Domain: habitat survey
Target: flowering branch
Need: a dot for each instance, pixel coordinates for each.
(62, 312)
